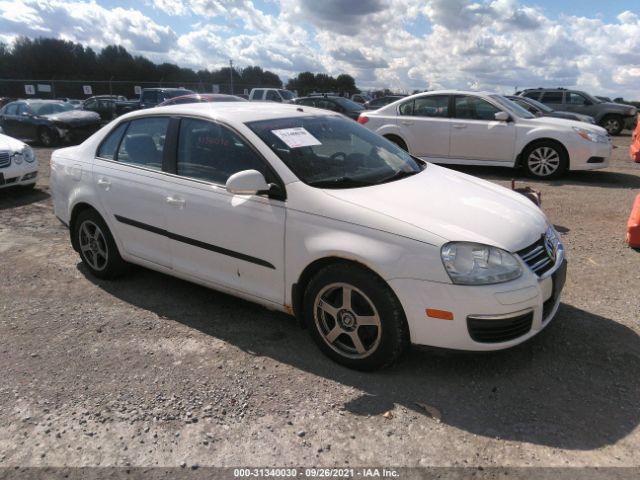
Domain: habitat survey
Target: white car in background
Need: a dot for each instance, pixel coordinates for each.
(18, 163)
(305, 211)
(472, 128)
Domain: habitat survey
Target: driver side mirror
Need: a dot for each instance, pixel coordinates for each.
(588, 102)
(247, 182)
(502, 117)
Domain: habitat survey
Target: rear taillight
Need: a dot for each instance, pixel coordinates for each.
(362, 119)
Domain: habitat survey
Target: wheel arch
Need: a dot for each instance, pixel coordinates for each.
(299, 287)
(392, 137)
(76, 210)
(543, 139)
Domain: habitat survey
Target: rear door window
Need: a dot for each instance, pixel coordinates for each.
(257, 94)
(143, 142)
(431, 106)
(551, 97)
(109, 146)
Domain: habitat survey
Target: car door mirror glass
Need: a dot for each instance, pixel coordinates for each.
(247, 182)
(502, 116)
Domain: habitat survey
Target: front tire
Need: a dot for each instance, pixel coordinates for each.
(613, 124)
(355, 318)
(46, 137)
(96, 246)
(544, 160)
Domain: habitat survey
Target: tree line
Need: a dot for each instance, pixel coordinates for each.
(59, 60)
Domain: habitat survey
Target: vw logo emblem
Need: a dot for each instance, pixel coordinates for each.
(550, 247)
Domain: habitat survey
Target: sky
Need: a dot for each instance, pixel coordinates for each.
(404, 45)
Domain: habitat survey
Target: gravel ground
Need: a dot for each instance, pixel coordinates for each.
(151, 370)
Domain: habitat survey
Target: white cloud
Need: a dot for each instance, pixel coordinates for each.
(84, 22)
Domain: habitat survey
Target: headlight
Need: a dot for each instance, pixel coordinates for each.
(28, 154)
(633, 112)
(476, 264)
(591, 136)
(17, 158)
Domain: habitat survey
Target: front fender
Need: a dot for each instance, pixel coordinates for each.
(311, 238)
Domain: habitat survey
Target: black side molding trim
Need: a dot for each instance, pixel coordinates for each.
(195, 243)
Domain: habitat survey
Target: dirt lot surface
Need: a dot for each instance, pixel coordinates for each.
(150, 370)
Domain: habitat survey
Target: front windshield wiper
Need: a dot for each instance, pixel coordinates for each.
(340, 182)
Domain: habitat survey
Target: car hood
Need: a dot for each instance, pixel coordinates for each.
(10, 143)
(447, 204)
(567, 123)
(571, 116)
(73, 117)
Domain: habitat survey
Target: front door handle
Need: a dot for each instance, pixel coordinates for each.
(406, 122)
(175, 201)
(458, 126)
(104, 183)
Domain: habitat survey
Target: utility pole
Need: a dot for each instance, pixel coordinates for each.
(231, 74)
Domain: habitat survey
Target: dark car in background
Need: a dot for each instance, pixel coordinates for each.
(609, 115)
(202, 98)
(151, 97)
(334, 103)
(103, 106)
(47, 121)
(380, 102)
(542, 110)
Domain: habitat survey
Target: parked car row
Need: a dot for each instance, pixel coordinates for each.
(471, 128)
(382, 248)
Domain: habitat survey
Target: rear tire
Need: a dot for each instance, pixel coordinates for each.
(355, 318)
(613, 124)
(96, 246)
(544, 160)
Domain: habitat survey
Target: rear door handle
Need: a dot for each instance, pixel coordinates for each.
(175, 201)
(103, 182)
(459, 126)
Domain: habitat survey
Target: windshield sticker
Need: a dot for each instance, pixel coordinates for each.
(296, 137)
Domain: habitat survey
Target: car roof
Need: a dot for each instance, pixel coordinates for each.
(232, 112)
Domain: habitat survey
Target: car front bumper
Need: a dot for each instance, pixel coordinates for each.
(23, 174)
(585, 155)
(489, 317)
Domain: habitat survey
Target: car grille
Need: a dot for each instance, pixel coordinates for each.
(493, 330)
(5, 159)
(537, 257)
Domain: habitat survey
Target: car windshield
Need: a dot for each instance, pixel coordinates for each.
(48, 108)
(286, 94)
(334, 152)
(512, 107)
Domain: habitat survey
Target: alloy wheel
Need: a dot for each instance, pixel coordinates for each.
(347, 320)
(93, 245)
(543, 161)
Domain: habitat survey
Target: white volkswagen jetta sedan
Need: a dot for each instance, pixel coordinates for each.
(307, 212)
(473, 128)
(18, 163)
